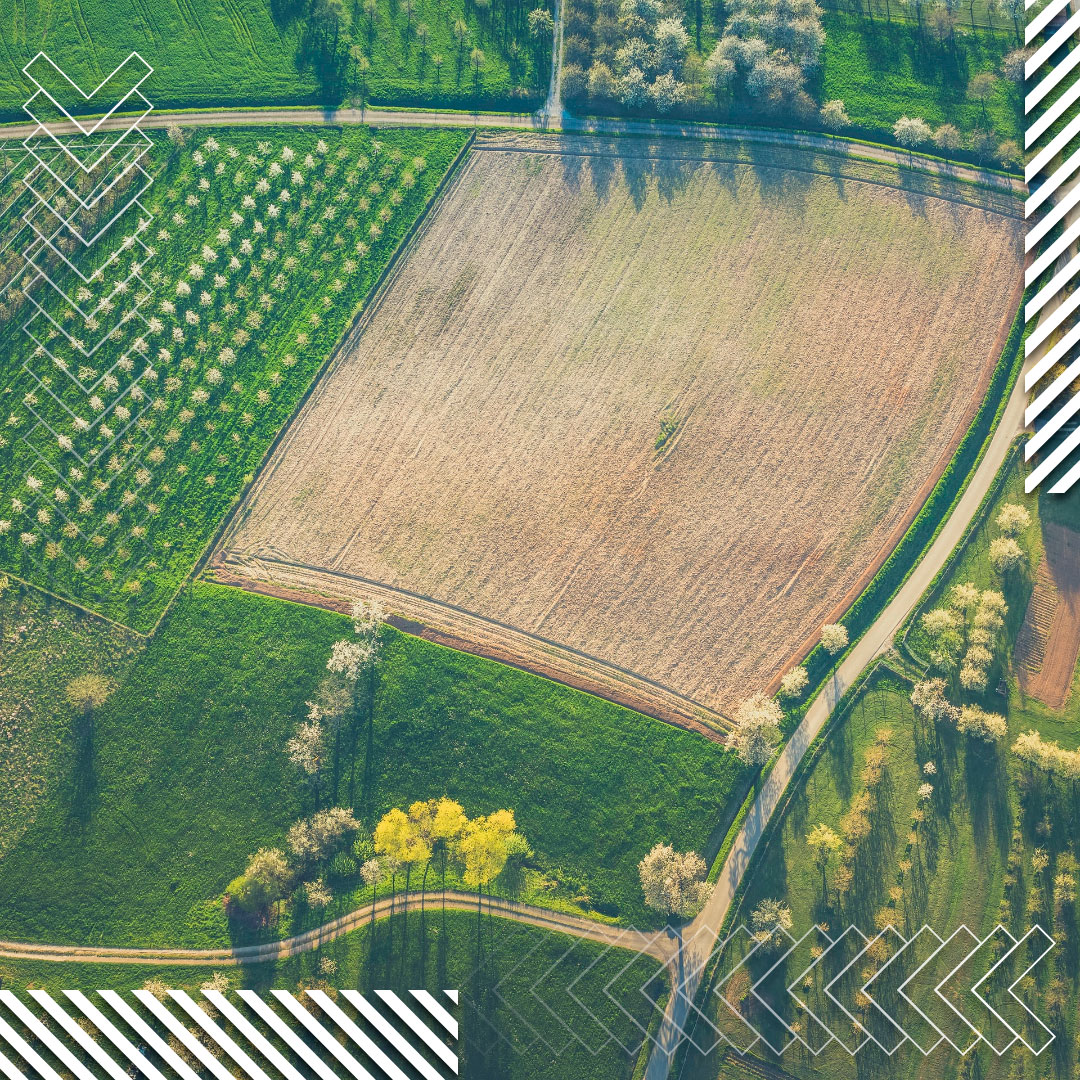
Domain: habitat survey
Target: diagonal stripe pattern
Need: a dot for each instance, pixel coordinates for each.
(1052, 244)
(822, 990)
(163, 1035)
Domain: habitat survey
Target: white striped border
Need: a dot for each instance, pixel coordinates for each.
(1052, 312)
(282, 1036)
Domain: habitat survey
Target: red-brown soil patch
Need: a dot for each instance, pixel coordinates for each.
(1049, 641)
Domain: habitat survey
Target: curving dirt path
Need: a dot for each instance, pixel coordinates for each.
(657, 944)
(544, 120)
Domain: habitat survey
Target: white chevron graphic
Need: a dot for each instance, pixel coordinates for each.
(414, 1035)
(1052, 205)
(82, 232)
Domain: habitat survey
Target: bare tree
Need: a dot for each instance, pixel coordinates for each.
(948, 140)
(981, 88)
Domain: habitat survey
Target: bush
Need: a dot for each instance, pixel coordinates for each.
(342, 866)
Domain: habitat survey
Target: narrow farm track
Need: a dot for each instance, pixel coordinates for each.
(657, 944)
(545, 122)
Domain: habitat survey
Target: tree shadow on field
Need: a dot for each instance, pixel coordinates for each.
(321, 54)
(770, 879)
(833, 167)
(673, 177)
(798, 810)
(840, 750)
(636, 172)
(779, 185)
(573, 169)
(915, 199)
(605, 172)
(83, 782)
(729, 175)
(283, 12)
(986, 780)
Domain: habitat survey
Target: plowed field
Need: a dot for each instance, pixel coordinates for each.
(645, 420)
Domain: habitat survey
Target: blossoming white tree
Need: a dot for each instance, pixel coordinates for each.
(794, 683)
(757, 729)
(673, 883)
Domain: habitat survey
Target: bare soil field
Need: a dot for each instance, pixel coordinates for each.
(644, 419)
(1049, 641)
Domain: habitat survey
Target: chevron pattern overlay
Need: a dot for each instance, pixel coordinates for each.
(847, 990)
(72, 211)
(165, 1034)
(1054, 226)
(777, 993)
(820, 991)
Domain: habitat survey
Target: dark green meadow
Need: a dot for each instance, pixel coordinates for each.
(211, 53)
(137, 830)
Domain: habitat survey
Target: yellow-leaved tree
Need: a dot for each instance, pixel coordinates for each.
(398, 838)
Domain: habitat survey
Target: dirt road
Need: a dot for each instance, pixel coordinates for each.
(657, 944)
(557, 121)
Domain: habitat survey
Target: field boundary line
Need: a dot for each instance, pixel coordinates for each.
(90, 612)
(463, 630)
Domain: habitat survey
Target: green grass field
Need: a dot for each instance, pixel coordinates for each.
(118, 467)
(138, 830)
(960, 868)
(882, 71)
(442, 953)
(270, 52)
(255, 52)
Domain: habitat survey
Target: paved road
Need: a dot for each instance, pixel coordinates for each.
(703, 931)
(658, 945)
(550, 119)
